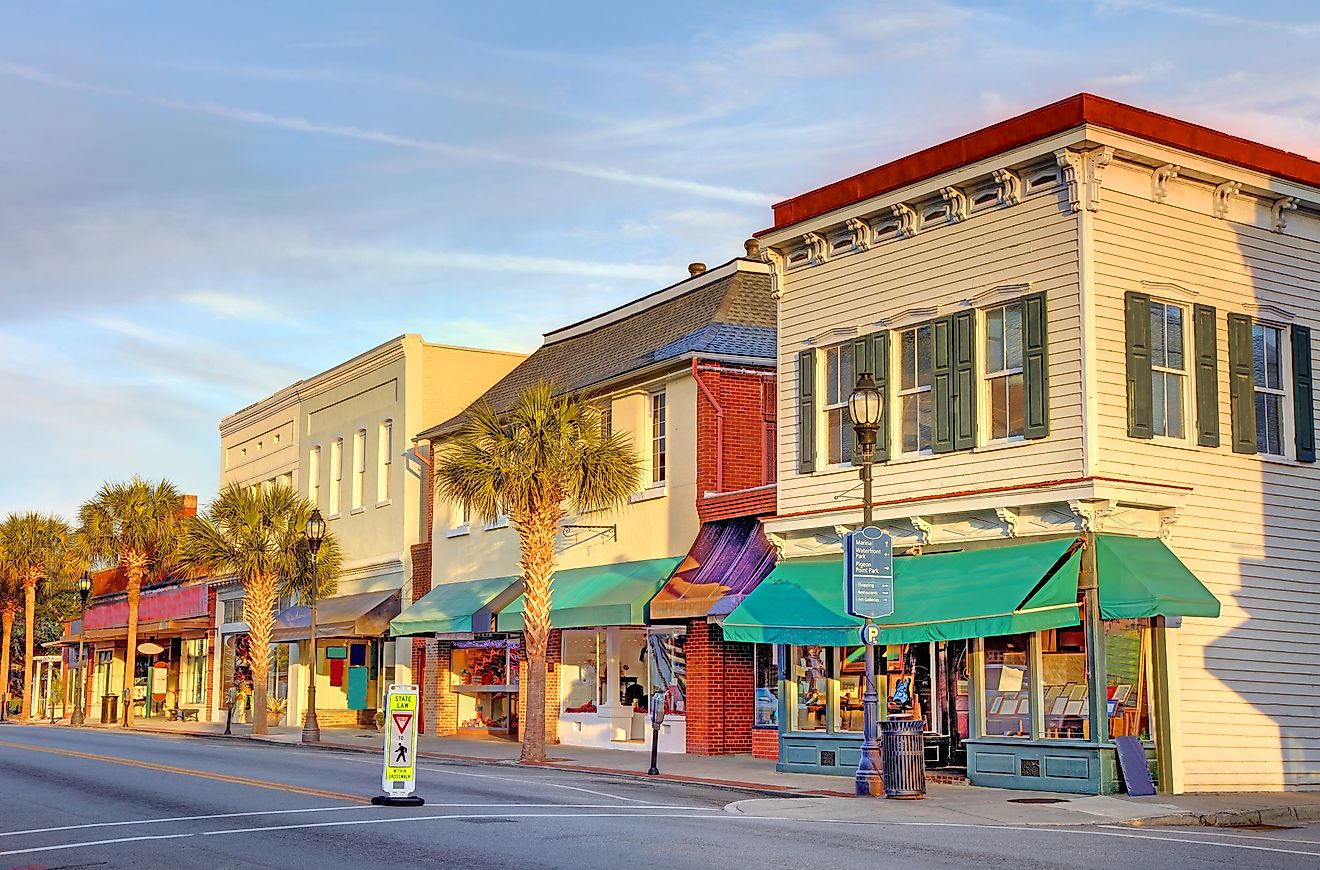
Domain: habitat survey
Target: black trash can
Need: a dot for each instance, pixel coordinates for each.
(903, 750)
(109, 709)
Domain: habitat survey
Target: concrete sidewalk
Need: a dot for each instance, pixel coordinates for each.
(822, 798)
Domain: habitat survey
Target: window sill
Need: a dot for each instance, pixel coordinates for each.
(498, 524)
(357, 510)
(1272, 459)
(1175, 443)
(905, 458)
(651, 492)
(334, 516)
(458, 532)
(1007, 444)
(385, 503)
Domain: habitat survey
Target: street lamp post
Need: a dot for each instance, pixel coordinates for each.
(311, 732)
(84, 593)
(866, 410)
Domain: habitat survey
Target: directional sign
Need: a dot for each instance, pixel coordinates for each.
(869, 573)
(400, 741)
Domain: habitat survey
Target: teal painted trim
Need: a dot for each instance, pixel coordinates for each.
(1041, 765)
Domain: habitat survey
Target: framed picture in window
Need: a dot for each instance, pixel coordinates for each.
(1059, 706)
(1075, 708)
(1078, 692)
(1121, 692)
(995, 705)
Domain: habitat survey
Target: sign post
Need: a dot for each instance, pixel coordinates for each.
(399, 779)
(868, 590)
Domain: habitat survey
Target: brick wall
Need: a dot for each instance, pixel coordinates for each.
(444, 703)
(553, 656)
(747, 460)
(719, 692)
(765, 743)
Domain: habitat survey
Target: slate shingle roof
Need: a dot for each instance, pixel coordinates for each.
(731, 316)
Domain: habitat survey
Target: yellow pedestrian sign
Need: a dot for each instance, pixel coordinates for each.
(401, 709)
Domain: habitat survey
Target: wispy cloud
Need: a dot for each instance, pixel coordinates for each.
(298, 124)
(1212, 16)
(1143, 73)
(234, 307)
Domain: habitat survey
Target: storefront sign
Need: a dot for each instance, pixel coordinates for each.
(401, 710)
(177, 603)
(869, 581)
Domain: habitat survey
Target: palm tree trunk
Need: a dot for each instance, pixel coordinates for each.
(260, 609)
(135, 565)
(29, 617)
(6, 637)
(536, 538)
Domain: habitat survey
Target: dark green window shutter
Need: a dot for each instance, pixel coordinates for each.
(941, 333)
(879, 358)
(1140, 413)
(861, 349)
(1241, 384)
(962, 333)
(1035, 366)
(1303, 402)
(1207, 375)
(806, 382)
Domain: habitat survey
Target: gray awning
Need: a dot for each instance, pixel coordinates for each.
(366, 614)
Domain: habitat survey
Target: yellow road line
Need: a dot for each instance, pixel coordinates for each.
(186, 771)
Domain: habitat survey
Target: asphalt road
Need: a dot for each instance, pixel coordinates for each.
(90, 798)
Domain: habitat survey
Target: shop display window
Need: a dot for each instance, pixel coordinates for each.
(811, 678)
(1127, 678)
(192, 682)
(1008, 677)
(667, 672)
(481, 667)
(583, 670)
(765, 658)
(1065, 683)
(852, 685)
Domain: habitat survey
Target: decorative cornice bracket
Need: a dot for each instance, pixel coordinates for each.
(956, 203)
(1083, 171)
(1278, 212)
(1009, 519)
(1224, 193)
(1010, 186)
(861, 234)
(1159, 181)
(775, 260)
(818, 249)
(907, 220)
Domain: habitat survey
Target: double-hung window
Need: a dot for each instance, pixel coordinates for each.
(916, 349)
(314, 476)
(839, 383)
(659, 451)
(359, 466)
(1004, 372)
(336, 474)
(1168, 370)
(385, 450)
(1267, 369)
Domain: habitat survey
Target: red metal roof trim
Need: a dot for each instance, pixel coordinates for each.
(1039, 124)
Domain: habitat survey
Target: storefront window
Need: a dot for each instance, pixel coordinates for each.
(668, 670)
(852, 684)
(192, 683)
(1064, 683)
(1008, 686)
(277, 677)
(1127, 673)
(583, 670)
(811, 675)
(104, 658)
(765, 663)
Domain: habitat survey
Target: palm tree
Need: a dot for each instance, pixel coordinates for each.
(133, 526)
(11, 596)
(38, 547)
(260, 536)
(545, 458)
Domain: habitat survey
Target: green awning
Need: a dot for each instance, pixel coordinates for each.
(1141, 577)
(599, 595)
(449, 607)
(944, 596)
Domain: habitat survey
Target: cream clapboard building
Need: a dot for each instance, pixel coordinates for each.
(342, 438)
(1126, 302)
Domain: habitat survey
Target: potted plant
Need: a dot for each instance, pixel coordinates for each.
(275, 709)
(379, 719)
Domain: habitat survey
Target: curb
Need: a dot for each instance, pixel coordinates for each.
(1283, 816)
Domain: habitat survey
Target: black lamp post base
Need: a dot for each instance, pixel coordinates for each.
(384, 800)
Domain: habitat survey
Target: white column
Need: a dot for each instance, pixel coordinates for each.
(297, 686)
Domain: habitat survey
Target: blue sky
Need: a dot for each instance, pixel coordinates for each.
(201, 203)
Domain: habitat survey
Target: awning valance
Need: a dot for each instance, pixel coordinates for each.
(944, 596)
(450, 608)
(1141, 577)
(599, 595)
(726, 562)
(365, 614)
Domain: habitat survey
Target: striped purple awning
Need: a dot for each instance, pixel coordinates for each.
(727, 560)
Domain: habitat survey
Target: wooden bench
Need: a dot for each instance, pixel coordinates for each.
(183, 714)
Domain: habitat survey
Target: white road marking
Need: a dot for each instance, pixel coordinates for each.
(450, 771)
(181, 819)
(93, 843)
(1202, 832)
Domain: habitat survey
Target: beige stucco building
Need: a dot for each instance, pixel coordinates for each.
(1089, 322)
(341, 438)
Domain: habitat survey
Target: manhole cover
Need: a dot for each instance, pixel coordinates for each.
(1038, 800)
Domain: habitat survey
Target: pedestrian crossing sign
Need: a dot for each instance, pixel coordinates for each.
(400, 778)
